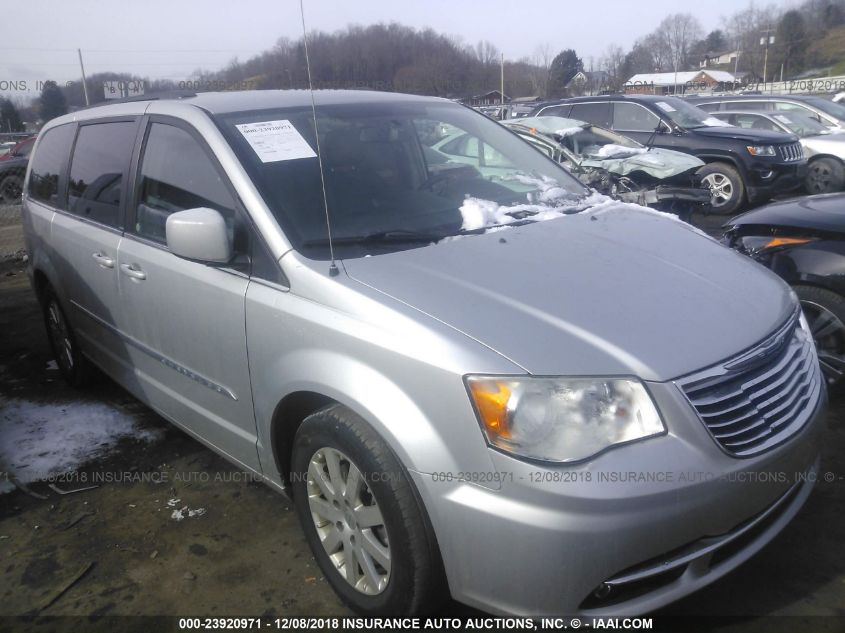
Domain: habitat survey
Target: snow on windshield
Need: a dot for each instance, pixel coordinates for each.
(566, 131)
(611, 150)
(551, 202)
(548, 202)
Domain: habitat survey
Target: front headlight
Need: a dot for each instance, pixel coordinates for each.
(761, 150)
(562, 419)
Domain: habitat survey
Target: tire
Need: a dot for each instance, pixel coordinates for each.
(825, 312)
(824, 175)
(75, 368)
(11, 188)
(409, 580)
(726, 187)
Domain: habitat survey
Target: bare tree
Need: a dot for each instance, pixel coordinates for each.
(613, 62)
(680, 31)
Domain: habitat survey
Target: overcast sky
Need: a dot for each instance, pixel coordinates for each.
(172, 38)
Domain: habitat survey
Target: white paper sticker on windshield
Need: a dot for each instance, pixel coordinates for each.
(782, 119)
(275, 141)
(665, 106)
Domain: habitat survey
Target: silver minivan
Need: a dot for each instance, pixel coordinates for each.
(490, 383)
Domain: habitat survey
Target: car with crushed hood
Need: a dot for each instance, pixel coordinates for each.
(743, 166)
(617, 166)
(823, 147)
(501, 387)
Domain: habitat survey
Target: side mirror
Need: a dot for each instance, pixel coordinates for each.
(199, 234)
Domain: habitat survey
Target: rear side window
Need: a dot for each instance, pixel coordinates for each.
(786, 106)
(708, 107)
(48, 163)
(177, 174)
(100, 160)
(747, 105)
(561, 110)
(633, 117)
(596, 113)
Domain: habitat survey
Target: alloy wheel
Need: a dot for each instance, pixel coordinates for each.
(829, 336)
(819, 178)
(349, 521)
(11, 190)
(721, 189)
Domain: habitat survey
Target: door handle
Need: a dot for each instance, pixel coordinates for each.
(103, 260)
(130, 271)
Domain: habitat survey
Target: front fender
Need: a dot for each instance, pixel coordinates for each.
(409, 389)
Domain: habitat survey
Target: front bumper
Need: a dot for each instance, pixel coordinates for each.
(767, 180)
(550, 537)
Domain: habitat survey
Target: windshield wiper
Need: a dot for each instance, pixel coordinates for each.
(379, 237)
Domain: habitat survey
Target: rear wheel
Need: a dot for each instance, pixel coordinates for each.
(824, 175)
(362, 517)
(11, 188)
(727, 191)
(825, 313)
(75, 368)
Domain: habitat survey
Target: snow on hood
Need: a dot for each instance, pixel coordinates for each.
(611, 150)
(657, 162)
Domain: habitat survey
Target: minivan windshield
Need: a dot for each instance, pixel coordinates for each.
(398, 174)
(686, 115)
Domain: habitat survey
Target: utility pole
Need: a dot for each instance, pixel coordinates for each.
(502, 86)
(768, 39)
(84, 83)
(736, 63)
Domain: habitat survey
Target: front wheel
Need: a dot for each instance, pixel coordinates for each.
(825, 313)
(727, 191)
(362, 517)
(824, 175)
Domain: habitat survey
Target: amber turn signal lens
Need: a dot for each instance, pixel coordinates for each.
(491, 400)
(786, 241)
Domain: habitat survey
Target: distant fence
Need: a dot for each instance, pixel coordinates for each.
(814, 85)
(811, 85)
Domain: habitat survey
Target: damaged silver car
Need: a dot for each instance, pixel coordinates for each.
(618, 166)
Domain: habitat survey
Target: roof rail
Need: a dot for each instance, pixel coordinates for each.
(152, 96)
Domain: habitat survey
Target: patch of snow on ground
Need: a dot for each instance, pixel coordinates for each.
(39, 440)
(612, 150)
(186, 513)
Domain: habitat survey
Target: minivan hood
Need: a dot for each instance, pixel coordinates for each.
(620, 290)
(743, 134)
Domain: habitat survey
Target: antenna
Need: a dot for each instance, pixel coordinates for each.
(332, 266)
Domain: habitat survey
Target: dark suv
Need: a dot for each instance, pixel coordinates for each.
(742, 165)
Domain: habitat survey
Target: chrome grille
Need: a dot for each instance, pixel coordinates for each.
(759, 399)
(791, 152)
